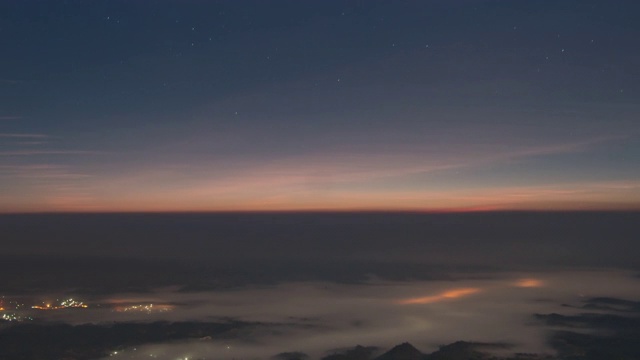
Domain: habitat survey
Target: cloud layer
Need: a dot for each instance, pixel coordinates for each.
(317, 317)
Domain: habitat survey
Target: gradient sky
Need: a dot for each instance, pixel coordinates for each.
(319, 105)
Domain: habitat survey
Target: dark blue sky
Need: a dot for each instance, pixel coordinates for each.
(298, 105)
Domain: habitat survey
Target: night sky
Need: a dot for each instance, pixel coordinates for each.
(254, 105)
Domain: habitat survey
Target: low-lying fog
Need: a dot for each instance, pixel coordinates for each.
(317, 317)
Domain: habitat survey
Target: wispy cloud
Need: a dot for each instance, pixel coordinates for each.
(42, 171)
(29, 143)
(354, 168)
(50, 185)
(23, 136)
(49, 152)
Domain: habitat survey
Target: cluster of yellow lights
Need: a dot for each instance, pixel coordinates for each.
(10, 317)
(14, 317)
(65, 304)
(148, 308)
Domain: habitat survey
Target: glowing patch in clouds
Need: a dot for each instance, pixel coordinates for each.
(446, 295)
(527, 283)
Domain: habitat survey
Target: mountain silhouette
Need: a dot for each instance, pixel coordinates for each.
(460, 350)
(404, 351)
(357, 353)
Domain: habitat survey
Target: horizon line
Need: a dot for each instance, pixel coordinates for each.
(319, 211)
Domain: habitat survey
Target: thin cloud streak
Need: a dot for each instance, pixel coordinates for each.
(321, 170)
(30, 143)
(49, 152)
(29, 136)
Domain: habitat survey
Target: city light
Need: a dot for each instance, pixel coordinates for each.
(148, 308)
(14, 317)
(64, 304)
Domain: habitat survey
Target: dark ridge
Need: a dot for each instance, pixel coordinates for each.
(293, 355)
(576, 346)
(357, 353)
(458, 351)
(404, 351)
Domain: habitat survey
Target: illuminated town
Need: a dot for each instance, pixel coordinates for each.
(148, 308)
(21, 309)
(64, 304)
(13, 310)
(17, 309)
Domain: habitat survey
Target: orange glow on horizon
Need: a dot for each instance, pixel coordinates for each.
(386, 180)
(290, 193)
(529, 283)
(310, 208)
(446, 295)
